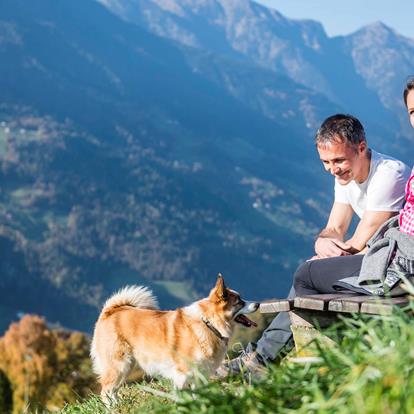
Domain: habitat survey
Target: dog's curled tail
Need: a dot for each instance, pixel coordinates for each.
(137, 296)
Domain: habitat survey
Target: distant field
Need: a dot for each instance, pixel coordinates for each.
(179, 290)
(3, 142)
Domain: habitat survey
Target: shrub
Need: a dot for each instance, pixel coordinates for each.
(45, 367)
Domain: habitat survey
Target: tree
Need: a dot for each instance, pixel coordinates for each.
(45, 367)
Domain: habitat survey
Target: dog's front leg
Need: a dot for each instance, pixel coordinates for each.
(180, 380)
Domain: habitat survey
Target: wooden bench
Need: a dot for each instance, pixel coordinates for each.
(307, 313)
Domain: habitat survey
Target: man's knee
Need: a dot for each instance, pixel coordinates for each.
(301, 276)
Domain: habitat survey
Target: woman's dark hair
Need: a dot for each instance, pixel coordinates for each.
(340, 128)
(408, 87)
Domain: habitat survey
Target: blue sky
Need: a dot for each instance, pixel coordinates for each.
(346, 16)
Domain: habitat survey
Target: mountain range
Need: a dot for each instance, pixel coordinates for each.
(160, 142)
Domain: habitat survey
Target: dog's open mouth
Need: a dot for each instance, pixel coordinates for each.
(245, 321)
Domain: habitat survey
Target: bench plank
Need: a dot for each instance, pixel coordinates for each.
(339, 302)
(276, 305)
(383, 306)
(317, 302)
(351, 304)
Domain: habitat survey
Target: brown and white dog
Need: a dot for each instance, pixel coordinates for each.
(173, 344)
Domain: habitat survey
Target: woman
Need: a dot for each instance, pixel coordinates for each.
(407, 213)
(321, 276)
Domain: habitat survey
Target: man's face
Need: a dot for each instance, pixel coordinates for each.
(345, 161)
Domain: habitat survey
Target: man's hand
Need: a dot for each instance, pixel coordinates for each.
(330, 241)
(331, 247)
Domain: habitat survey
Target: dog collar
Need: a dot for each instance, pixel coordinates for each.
(215, 330)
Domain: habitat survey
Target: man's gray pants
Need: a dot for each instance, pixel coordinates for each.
(276, 335)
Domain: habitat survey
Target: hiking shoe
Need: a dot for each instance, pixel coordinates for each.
(250, 364)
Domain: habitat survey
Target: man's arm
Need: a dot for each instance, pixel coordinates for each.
(330, 241)
(368, 225)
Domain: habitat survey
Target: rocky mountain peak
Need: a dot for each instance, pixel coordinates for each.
(375, 33)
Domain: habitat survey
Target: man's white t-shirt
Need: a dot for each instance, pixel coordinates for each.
(383, 190)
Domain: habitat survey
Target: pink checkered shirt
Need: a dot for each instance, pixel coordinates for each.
(407, 213)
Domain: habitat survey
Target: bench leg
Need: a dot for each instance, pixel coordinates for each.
(304, 328)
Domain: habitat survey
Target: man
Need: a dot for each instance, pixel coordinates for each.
(368, 184)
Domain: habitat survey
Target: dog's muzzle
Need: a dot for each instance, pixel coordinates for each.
(241, 318)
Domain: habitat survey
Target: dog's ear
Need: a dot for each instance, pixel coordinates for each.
(220, 289)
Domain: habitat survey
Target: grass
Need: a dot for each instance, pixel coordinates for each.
(371, 371)
(137, 398)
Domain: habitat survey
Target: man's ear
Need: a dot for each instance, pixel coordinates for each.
(220, 288)
(362, 146)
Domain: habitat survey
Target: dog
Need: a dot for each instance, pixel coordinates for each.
(132, 331)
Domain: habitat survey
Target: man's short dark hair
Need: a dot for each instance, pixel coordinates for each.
(408, 87)
(340, 128)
